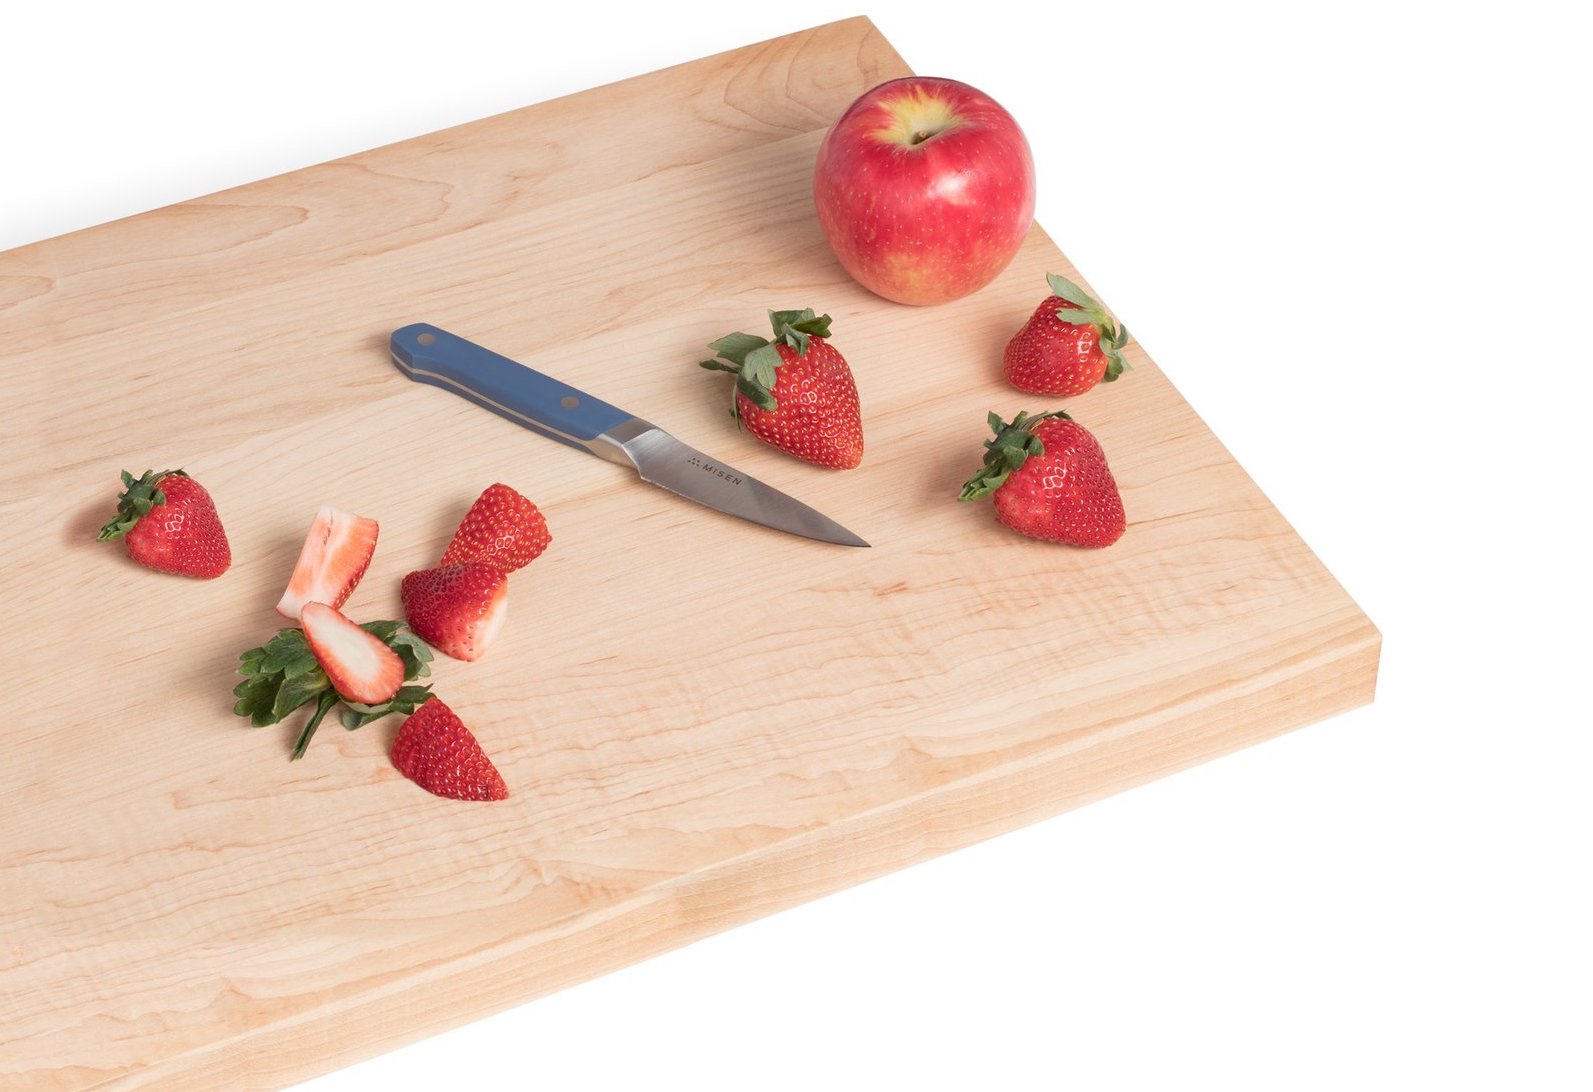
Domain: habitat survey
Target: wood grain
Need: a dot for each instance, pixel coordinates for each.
(701, 722)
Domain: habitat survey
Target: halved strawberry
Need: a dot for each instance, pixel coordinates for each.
(358, 664)
(335, 555)
(436, 751)
(457, 609)
(502, 528)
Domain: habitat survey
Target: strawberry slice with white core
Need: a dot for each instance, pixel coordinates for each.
(358, 665)
(335, 555)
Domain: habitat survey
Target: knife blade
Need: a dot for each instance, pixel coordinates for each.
(542, 404)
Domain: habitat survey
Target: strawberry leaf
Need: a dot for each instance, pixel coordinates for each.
(759, 396)
(795, 327)
(779, 320)
(797, 324)
(322, 704)
(1111, 334)
(749, 360)
(287, 654)
(1066, 289)
(296, 690)
(249, 662)
(415, 653)
(735, 347)
(406, 701)
(759, 371)
(1113, 337)
(255, 697)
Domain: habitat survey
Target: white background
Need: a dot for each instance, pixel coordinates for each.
(1355, 237)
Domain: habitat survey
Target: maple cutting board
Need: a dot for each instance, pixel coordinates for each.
(701, 721)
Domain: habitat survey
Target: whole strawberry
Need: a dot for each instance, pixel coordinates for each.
(1048, 478)
(1068, 345)
(795, 392)
(169, 524)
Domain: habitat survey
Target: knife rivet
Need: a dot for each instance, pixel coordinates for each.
(569, 401)
(426, 339)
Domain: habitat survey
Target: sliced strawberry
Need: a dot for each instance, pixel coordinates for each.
(457, 609)
(335, 555)
(436, 751)
(358, 664)
(502, 528)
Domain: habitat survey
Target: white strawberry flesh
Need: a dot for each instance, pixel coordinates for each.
(335, 555)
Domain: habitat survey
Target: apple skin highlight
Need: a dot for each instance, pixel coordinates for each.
(924, 188)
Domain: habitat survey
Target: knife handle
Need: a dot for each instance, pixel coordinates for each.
(508, 388)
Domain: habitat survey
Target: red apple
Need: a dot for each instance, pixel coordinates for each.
(925, 189)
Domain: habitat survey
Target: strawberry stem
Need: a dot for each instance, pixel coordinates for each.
(322, 705)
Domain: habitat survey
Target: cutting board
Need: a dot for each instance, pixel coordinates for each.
(701, 721)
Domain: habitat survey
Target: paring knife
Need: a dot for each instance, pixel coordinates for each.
(542, 404)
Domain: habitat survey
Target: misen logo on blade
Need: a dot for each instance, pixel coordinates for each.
(717, 472)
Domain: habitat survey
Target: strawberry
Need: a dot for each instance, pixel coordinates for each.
(357, 663)
(436, 751)
(502, 529)
(1049, 479)
(795, 392)
(457, 609)
(336, 553)
(170, 525)
(1068, 345)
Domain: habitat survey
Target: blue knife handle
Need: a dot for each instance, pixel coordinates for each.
(506, 387)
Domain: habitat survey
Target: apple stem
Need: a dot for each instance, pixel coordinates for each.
(921, 136)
